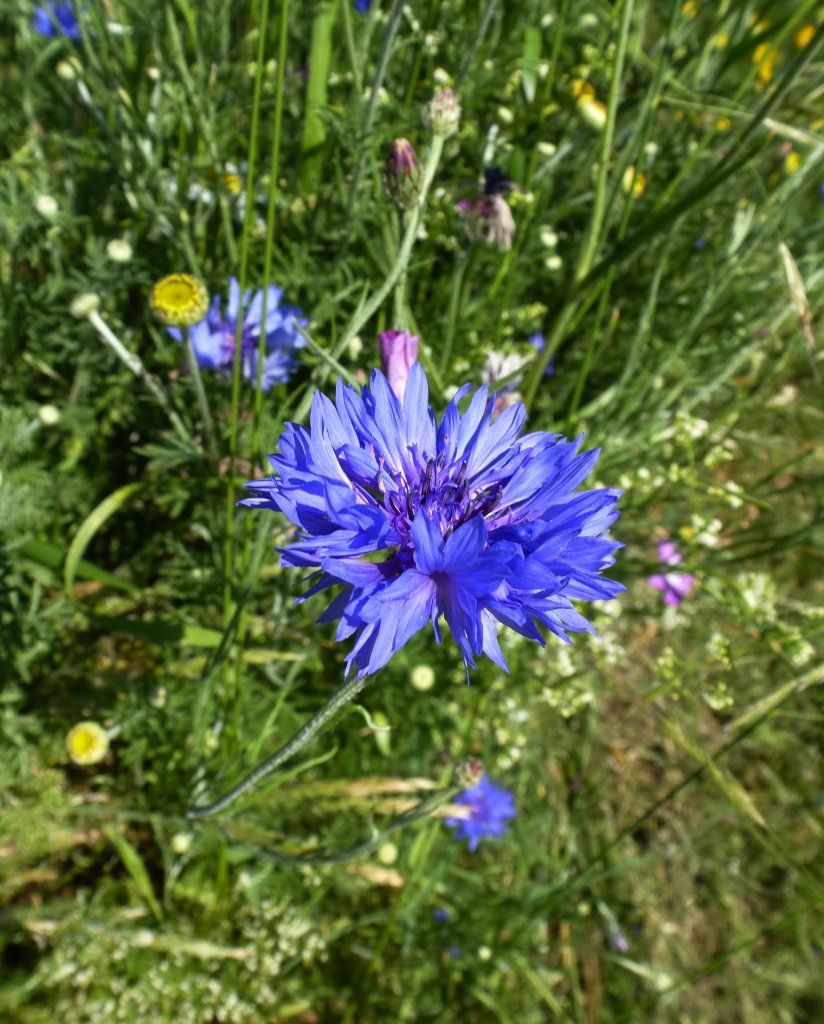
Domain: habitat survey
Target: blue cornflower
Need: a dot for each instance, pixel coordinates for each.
(362, 6)
(60, 12)
(490, 807)
(213, 338)
(415, 520)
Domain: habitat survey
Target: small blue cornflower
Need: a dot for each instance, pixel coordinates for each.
(362, 6)
(213, 338)
(489, 809)
(56, 17)
(416, 520)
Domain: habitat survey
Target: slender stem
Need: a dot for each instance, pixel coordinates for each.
(599, 207)
(357, 81)
(377, 81)
(339, 699)
(422, 810)
(200, 392)
(135, 364)
(228, 548)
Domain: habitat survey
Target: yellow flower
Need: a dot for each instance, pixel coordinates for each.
(765, 57)
(792, 161)
(804, 36)
(633, 182)
(179, 300)
(723, 124)
(581, 90)
(232, 182)
(87, 743)
(690, 9)
(721, 41)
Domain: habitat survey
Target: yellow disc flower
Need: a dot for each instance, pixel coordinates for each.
(765, 57)
(179, 300)
(581, 90)
(792, 161)
(87, 743)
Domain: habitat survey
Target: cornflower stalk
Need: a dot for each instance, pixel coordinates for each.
(366, 311)
(339, 699)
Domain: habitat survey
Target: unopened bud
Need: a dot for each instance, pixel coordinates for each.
(84, 305)
(402, 174)
(399, 350)
(469, 772)
(443, 114)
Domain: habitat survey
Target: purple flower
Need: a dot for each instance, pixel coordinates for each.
(489, 809)
(538, 342)
(675, 585)
(440, 914)
(362, 6)
(213, 338)
(490, 219)
(56, 17)
(415, 519)
(399, 350)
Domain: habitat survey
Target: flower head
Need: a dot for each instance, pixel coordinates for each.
(489, 807)
(56, 17)
(416, 519)
(87, 743)
(443, 113)
(213, 337)
(675, 585)
(179, 299)
(362, 6)
(399, 350)
(402, 174)
(489, 218)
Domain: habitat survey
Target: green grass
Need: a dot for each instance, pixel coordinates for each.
(664, 865)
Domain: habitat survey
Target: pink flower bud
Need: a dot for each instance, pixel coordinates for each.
(399, 350)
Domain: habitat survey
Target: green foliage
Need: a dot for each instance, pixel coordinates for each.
(665, 861)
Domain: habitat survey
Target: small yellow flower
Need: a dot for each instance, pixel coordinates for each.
(723, 124)
(581, 90)
(633, 182)
(690, 9)
(804, 36)
(232, 182)
(87, 743)
(179, 300)
(792, 161)
(721, 41)
(765, 57)
(593, 112)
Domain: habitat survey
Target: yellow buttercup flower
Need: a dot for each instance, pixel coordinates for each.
(179, 300)
(232, 182)
(632, 182)
(804, 36)
(723, 124)
(690, 9)
(87, 743)
(765, 57)
(792, 161)
(581, 90)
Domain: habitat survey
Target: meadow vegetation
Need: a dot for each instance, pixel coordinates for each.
(644, 269)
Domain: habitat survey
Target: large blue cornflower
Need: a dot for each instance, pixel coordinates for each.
(415, 520)
(489, 809)
(213, 338)
(56, 17)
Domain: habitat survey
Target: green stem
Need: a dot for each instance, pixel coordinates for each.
(377, 81)
(599, 208)
(339, 699)
(357, 81)
(200, 392)
(228, 542)
(135, 364)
